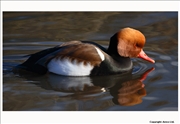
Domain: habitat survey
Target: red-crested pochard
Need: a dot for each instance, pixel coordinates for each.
(83, 58)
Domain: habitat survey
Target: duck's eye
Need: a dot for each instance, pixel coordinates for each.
(137, 45)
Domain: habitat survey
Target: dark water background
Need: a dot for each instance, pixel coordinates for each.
(28, 32)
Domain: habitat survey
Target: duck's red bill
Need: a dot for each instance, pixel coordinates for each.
(143, 55)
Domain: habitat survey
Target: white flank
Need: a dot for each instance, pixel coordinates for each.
(100, 54)
(68, 68)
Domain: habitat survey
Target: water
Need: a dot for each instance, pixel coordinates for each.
(27, 33)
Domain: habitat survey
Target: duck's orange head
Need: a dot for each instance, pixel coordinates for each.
(130, 43)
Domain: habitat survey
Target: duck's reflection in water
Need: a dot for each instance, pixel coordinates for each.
(125, 90)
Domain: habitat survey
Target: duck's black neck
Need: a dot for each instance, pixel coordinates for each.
(112, 49)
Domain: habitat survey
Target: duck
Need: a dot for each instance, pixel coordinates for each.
(87, 58)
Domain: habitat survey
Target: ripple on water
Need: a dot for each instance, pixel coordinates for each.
(174, 63)
(139, 67)
(150, 98)
(159, 65)
(165, 57)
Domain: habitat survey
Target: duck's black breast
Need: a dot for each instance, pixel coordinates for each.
(113, 65)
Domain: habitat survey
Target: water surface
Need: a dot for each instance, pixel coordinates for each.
(26, 33)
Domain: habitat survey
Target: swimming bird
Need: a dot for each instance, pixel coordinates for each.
(85, 58)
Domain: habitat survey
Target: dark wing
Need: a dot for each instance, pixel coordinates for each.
(30, 63)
